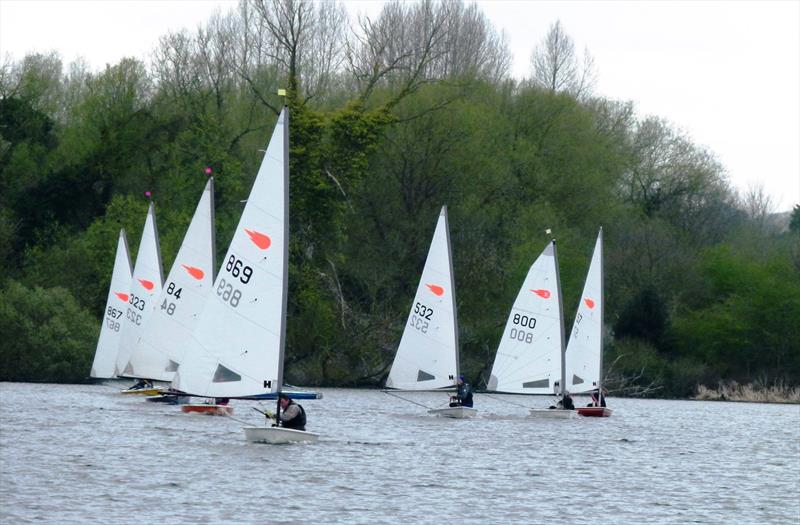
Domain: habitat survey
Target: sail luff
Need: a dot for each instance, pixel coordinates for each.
(602, 313)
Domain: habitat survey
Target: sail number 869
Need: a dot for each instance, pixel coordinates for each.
(237, 269)
(228, 293)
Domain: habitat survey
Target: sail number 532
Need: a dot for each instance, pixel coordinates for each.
(419, 319)
(423, 311)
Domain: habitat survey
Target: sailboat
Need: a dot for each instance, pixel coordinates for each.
(145, 288)
(105, 356)
(530, 356)
(238, 343)
(427, 358)
(584, 355)
(162, 345)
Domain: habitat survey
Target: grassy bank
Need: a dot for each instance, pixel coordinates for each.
(752, 392)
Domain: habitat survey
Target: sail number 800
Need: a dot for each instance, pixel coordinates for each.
(524, 320)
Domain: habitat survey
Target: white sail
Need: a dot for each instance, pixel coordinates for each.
(148, 278)
(528, 359)
(584, 351)
(237, 344)
(165, 336)
(427, 357)
(105, 357)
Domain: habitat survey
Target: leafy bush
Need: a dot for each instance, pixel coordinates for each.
(46, 335)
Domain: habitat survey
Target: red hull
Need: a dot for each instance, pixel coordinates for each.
(594, 411)
(211, 410)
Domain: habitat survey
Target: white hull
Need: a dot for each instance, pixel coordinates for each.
(278, 435)
(454, 412)
(552, 413)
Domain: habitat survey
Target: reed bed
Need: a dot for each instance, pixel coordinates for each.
(752, 392)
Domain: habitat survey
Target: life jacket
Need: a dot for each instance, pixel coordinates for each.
(464, 395)
(297, 423)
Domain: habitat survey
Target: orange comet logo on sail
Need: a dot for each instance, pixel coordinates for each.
(544, 294)
(259, 239)
(122, 296)
(148, 285)
(436, 289)
(197, 273)
(589, 303)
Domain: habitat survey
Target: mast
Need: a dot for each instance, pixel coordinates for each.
(452, 289)
(285, 292)
(213, 230)
(152, 212)
(560, 324)
(602, 318)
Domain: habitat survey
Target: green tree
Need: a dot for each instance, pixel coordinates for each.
(47, 335)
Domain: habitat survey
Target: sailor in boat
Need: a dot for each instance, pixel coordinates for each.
(463, 397)
(142, 384)
(565, 403)
(292, 414)
(602, 399)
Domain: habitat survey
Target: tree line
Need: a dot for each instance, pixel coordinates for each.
(392, 117)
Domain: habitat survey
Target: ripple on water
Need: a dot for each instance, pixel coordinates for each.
(82, 454)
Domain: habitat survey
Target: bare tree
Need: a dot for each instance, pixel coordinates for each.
(557, 67)
(305, 40)
(757, 204)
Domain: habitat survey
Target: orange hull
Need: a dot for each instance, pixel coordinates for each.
(594, 411)
(210, 410)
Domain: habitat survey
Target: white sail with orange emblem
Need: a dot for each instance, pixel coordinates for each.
(427, 358)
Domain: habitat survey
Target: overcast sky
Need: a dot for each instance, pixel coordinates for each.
(727, 73)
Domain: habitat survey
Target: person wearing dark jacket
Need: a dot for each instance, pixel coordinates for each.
(565, 403)
(292, 414)
(463, 397)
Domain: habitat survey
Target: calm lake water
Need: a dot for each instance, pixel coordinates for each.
(86, 454)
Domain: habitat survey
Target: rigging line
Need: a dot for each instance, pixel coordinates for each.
(404, 399)
(242, 421)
